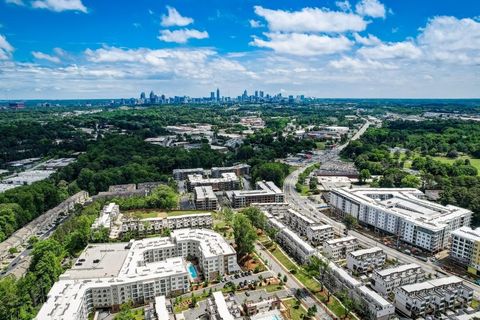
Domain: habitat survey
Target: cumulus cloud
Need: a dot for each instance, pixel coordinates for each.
(47, 57)
(311, 20)
(301, 44)
(369, 40)
(370, 8)
(60, 5)
(16, 2)
(174, 19)
(255, 23)
(356, 64)
(452, 40)
(6, 48)
(395, 50)
(182, 35)
(344, 5)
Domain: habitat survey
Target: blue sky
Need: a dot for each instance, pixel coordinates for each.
(361, 48)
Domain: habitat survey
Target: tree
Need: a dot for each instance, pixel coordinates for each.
(256, 217)
(244, 234)
(364, 175)
(125, 312)
(410, 181)
(271, 171)
(350, 222)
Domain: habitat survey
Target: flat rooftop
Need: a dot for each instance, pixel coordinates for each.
(204, 192)
(359, 253)
(468, 233)
(397, 269)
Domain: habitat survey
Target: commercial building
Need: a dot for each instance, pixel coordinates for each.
(402, 212)
(365, 260)
(205, 198)
(266, 192)
(465, 248)
(291, 242)
(107, 275)
(420, 299)
(159, 224)
(337, 249)
(227, 181)
(386, 280)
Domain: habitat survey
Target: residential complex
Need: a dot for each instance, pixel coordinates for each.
(182, 174)
(420, 299)
(227, 181)
(216, 172)
(291, 242)
(402, 212)
(465, 248)
(386, 280)
(266, 192)
(337, 249)
(315, 233)
(158, 224)
(365, 260)
(109, 218)
(205, 198)
(107, 275)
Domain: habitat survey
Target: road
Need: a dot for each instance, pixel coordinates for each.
(293, 284)
(309, 209)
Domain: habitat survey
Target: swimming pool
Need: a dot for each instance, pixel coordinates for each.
(192, 271)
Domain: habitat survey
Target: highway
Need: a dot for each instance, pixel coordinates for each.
(310, 209)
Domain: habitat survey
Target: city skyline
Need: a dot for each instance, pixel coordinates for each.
(326, 49)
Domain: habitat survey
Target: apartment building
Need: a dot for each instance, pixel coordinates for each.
(366, 260)
(420, 299)
(239, 169)
(107, 275)
(159, 224)
(386, 280)
(182, 174)
(291, 242)
(337, 249)
(306, 227)
(205, 198)
(465, 248)
(378, 307)
(217, 307)
(402, 212)
(266, 192)
(109, 218)
(227, 181)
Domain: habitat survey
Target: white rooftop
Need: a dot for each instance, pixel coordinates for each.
(468, 233)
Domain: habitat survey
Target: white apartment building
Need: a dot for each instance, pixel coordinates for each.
(109, 218)
(337, 249)
(205, 198)
(386, 280)
(291, 242)
(227, 181)
(157, 225)
(107, 275)
(378, 307)
(319, 233)
(266, 192)
(315, 233)
(366, 260)
(403, 212)
(439, 295)
(465, 248)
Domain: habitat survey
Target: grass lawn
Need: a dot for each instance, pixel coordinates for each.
(475, 304)
(305, 191)
(473, 162)
(320, 145)
(295, 314)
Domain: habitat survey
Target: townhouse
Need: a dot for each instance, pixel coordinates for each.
(365, 260)
(337, 249)
(386, 280)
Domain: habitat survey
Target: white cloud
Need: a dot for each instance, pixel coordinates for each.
(182, 35)
(370, 8)
(16, 2)
(47, 57)
(6, 48)
(344, 5)
(60, 5)
(369, 40)
(175, 19)
(255, 23)
(395, 50)
(303, 44)
(452, 40)
(355, 64)
(311, 20)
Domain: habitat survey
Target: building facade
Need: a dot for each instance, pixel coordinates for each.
(266, 192)
(386, 280)
(465, 248)
(205, 198)
(366, 260)
(337, 249)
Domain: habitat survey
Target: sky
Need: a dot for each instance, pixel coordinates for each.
(75, 49)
